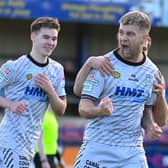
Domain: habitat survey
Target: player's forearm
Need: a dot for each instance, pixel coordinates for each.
(81, 76)
(160, 110)
(147, 119)
(58, 105)
(5, 103)
(88, 109)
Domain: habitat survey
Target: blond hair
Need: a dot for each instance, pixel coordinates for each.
(136, 18)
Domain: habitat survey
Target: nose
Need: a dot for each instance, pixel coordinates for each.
(124, 37)
(51, 41)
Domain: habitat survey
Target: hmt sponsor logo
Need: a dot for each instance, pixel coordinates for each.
(35, 93)
(126, 91)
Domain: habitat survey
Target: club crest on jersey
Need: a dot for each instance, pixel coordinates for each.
(29, 76)
(116, 74)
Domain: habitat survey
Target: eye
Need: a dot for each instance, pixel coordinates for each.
(130, 34)
(54, 38)
(120, 32)
(46, 36)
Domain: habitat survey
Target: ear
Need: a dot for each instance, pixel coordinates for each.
(146, 39)
(149, 41)
(32, 36)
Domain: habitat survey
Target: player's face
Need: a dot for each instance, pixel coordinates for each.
(44, 41)
(130, 41)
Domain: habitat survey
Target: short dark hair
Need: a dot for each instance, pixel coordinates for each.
(45, 22)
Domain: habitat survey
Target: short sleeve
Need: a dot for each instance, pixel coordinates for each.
(7, 74)
(60, 88)
(93, 85)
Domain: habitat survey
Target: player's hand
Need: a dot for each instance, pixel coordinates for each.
(154, 131)
(44, 83)
(160, 86)
(45, 164)
(106, 106)
(102, 64)
(17, 107)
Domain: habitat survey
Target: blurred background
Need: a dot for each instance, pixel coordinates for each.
(88, 27)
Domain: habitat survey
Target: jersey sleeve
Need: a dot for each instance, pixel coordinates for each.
(93, 85)
(60, 88)
(7, 74)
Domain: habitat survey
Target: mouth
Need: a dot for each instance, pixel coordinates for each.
(125, 47)
(48, 49)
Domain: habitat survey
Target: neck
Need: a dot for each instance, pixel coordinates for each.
(134, 59)
(38, 58)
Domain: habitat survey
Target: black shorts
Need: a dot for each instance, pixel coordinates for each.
(50, 158)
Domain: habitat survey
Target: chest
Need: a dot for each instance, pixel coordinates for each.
(130, 83)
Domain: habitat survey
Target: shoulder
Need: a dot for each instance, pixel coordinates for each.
(109, 54)
(15, 63)
(151, 64)
(112, 55)
(55, 64)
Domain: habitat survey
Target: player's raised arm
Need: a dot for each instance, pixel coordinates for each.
(160, 109)
(100, 63)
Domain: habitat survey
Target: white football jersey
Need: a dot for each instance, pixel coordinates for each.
(17, 78)
(130, 88)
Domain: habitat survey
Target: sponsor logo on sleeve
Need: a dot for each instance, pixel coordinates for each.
(90, 82)
(4, 72)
